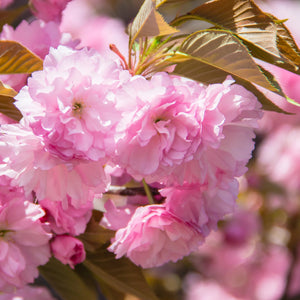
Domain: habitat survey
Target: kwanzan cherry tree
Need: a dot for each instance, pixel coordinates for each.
(114, 161)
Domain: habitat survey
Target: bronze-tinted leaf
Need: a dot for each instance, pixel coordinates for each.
(66, 282)
(162, 2)
(120, 274)
(111, 293)
(15, 58)
(200, 71)
(173, 8)
(6, 90)
(149, 22)
(265, 36)
(271, 78)
(9, 16)
(243, 17)
(95, 235)
(206, 74)
(286, 44)
(222, 53)
(107, 290)
(7, 106)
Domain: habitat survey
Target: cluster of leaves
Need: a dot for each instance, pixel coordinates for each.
(201, 40)
(207, 40)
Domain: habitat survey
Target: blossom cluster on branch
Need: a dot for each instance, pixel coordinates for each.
(92, 121)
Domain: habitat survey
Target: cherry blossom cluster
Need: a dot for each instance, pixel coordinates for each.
(89, 124)
(192, 140)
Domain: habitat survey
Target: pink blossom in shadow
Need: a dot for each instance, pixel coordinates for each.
(28, 292)
(155, 236)
(48, 10)
(68, 249)
(38, 37)
(24, 243)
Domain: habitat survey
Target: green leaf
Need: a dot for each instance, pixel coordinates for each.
(149, 22)
(7, 106)
(120, 274)
(215, 54)
(88, 277)
(65, 281)
(111, 293)
(293, 101)
(95, 235)
(15, 58)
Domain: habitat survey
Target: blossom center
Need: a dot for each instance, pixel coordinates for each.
(77, 108)
(158, 120)
(3, 232)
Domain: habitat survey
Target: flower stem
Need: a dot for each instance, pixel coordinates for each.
(148, 192)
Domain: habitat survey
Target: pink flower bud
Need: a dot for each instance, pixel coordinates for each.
(69, 250)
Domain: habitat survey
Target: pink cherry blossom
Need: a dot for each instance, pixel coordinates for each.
(241, 227)
(267, 281)
(71, 104)
(178, 130)
(67, 249)
(249, 270)
(226, 147)
(38, 37)
(68, 220)
(155, 236)
(201, 207)
(118, 176)
(26, 161)
(5, 119)
(48, 10)
(163, 127)
(197, 288)
(5, 3)
(279, 154)
(95, 32)
(78, 13)
(82, 20)
(117, 216)
(294, 289)
(8, 191)
(23, 243)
